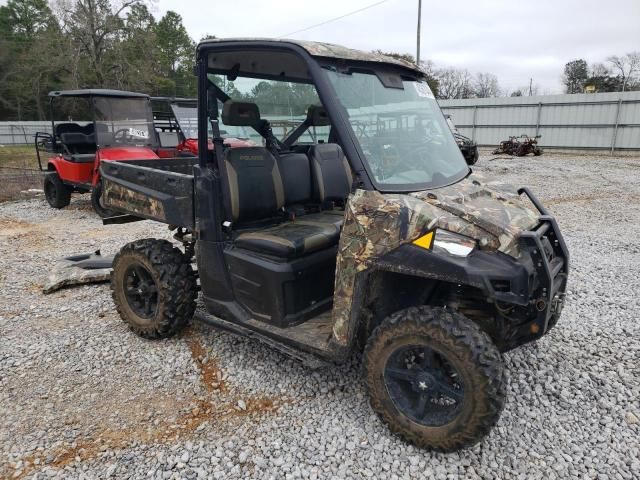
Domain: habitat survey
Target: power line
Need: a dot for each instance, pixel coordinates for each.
(336, 18)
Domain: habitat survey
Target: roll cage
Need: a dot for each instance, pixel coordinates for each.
(165, 118)
(305, 65)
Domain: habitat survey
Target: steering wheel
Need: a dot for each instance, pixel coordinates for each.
(124, 133)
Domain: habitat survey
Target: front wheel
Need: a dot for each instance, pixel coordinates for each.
(153, 287)
(434, 378)
(96, 202)
(537, 151)
(58, 194)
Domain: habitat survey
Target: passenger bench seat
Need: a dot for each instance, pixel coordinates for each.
(257, 194)
(332, 181)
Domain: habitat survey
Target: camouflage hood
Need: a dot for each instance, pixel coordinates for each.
(493, 207)
(490, 212)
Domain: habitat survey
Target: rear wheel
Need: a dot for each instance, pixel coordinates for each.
(58, 194)
(96, 202)
(153, 287)
(434, 378)
(537, 151)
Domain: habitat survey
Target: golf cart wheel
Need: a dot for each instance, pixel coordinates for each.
(153, 287)
(96, 202)
(434, 378)
(58, 195)
(537, 152)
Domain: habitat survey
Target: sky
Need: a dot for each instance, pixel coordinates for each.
(514, 39)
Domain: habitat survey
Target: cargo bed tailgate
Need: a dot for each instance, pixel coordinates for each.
(160, 190)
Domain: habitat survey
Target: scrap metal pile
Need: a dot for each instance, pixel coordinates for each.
(519, 146)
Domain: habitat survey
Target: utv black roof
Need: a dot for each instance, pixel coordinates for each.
(97, 92)
(315, 49)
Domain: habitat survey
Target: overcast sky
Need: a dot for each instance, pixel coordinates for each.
(514, 39)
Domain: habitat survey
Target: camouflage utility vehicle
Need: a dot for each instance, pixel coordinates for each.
(372, 233)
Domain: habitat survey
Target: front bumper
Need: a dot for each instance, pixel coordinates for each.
(549, 256)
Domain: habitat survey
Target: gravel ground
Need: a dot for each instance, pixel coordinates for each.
(82, 397)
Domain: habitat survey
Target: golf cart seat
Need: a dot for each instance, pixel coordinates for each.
(81, 148)
(68, 127)
(258, 196)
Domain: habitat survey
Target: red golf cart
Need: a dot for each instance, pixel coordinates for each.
(176, 122)
(90, 126)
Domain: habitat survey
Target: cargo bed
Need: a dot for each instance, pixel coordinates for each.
(160, 190)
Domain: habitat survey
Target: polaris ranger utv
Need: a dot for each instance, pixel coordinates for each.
(376, 236)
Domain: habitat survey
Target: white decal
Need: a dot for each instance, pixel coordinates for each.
(136, 132)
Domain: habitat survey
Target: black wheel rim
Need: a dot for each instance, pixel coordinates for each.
(141, 291)
(424, 385)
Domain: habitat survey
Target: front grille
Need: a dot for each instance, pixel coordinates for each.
(548, 249)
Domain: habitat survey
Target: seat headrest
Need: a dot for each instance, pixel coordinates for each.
(240, 114)
(317, 116)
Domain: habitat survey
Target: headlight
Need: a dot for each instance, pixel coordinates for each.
(447, 242)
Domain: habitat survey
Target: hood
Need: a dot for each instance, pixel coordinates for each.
(494, 207)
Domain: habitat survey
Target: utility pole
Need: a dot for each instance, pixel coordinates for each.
(530, 85)
(418, 33)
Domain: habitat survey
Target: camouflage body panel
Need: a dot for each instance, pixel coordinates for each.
(328, 50)
(122, 198)
(78, 270)
(376, 223)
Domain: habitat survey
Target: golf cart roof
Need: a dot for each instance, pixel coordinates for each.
(175, 100)
(97, 92)
(316, 49)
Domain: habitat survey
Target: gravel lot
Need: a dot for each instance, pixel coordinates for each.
(82, 397)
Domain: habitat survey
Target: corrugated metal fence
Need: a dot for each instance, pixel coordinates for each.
(21, 133)
(608, 121)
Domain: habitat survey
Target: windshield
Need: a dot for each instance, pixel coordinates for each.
(403, 135)
(124, 121)
(187, 118)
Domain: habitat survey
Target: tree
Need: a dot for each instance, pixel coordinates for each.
(176, 53)
(486, 85)
(137, 68)
(454, 83)
(575, 75)
(95, 26)
(28, 63)
(627, 66)
(602, 80)
(24, 19)
(174, 42)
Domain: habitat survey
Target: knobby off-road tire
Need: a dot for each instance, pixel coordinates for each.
(96, 202)
(153, 287)
(58, 194)
(458, 346)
